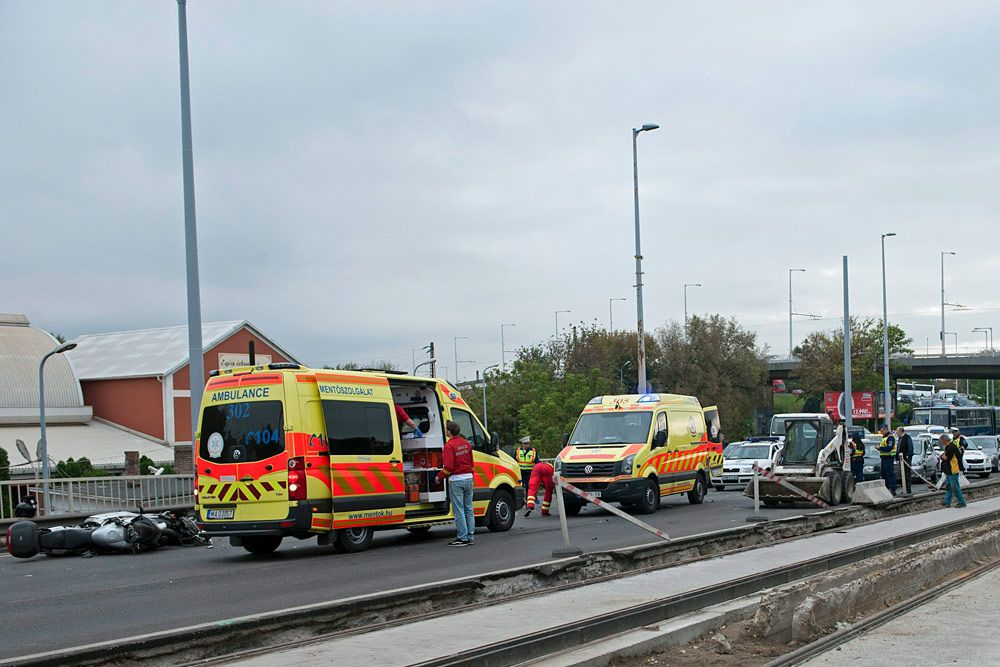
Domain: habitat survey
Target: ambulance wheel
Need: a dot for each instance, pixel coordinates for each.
(770, 502)
(353, 540)
(650, 498)
(500, 515)
(262, 544)
(697, 495)
(835, 486)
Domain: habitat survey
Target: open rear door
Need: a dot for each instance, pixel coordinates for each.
(366, 465)
(713, 431)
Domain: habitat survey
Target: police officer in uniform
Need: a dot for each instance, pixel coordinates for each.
(887, 458)
(527, 457)
(905, 450)
(857, 458)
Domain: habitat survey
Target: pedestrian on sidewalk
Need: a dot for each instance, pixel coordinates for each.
(458, 471)
(887, 458)
(905, 451)
(541, 475)
(951, 468)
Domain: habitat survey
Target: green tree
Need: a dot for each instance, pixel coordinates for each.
(822, 357)
(718, 362)
(145, 463)
(81, 467)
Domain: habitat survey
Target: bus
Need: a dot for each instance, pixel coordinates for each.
(971, 420)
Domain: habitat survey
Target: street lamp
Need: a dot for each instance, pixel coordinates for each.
(503, 348)
(486, 419)
(621, 373)
(641, 357)
(790, 312)
(458, 338)
(46, 471)
(557, 320)
(686, 285)
(886, 402)
(943, 351)
(611, 315)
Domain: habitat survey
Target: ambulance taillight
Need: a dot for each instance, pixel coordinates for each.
(297, 478)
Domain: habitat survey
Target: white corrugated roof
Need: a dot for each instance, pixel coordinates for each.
(21, 349)
(147, 352)
(97, 441)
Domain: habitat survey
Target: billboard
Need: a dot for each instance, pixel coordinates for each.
(864, 404)
(230, 360)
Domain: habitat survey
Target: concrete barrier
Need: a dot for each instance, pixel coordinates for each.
(872, 492)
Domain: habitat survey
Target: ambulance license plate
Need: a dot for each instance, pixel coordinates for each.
(596, 494)
(221, 514)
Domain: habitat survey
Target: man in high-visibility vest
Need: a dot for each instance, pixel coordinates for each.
(857, 458)
(526, 456)
(887, 457)
(541, 474)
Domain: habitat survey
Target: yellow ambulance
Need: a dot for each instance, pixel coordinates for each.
(636, 449)
(286, 451)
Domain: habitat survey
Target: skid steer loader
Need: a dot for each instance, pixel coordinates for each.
(811, 458)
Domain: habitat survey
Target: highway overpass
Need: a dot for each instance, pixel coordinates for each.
(918, 366)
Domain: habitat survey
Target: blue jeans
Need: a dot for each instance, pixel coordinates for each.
(952, 486)
(461, 506)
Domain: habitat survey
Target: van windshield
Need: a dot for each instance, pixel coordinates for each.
(241, 432)
(612, 428)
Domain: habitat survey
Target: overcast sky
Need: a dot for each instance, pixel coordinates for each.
(371, 176)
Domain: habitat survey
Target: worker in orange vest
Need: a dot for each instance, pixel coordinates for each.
(541, 473)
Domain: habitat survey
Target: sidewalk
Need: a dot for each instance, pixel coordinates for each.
(955, 629)
(409, 643)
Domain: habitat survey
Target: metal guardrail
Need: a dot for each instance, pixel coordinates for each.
(78, 495)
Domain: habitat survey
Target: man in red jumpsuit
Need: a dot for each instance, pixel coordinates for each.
(541, 473)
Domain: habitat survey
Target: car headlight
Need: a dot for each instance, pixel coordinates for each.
(557, 464)
(627, 464)
(869, 468)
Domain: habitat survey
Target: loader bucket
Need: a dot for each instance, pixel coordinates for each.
(769, 490)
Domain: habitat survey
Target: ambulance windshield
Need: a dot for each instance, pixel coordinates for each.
(612, 428)
(241, 432)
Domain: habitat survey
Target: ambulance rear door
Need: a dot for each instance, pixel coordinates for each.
(366, 465)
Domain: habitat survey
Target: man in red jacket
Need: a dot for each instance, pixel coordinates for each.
(458, 470)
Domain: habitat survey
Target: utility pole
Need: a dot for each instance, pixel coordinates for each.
(790, 310)
(943, 350)
(886, 401)
(848, 396)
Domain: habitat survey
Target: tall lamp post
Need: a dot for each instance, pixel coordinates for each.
(486, 419)
(46, 470)
(886, 401)
(641, 356)
(503, 348)
(557, 320)
(458, 338)
(621, 373)
(686, 285)
(990, 396)
(611, 314)
(196, 360)
(943, 350)
(790, 311)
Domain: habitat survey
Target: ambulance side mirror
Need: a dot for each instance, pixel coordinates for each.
(495, 441)
(565, 439)
(659, 438)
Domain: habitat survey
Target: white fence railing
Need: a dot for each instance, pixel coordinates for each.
(79, 495)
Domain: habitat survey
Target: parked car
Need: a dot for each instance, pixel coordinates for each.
(738, 461)
(976, 461)
(990, 445)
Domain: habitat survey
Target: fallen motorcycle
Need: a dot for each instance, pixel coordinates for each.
(104, 533)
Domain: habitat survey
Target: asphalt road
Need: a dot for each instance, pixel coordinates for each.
(54, 603)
